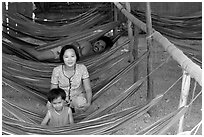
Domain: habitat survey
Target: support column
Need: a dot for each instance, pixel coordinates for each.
(135, 52)
(186, 80)
(115, 14)
(130, 33)
(150, 92)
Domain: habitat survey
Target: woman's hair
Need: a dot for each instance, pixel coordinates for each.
(55, 93)
(107, 40)
(68, 47)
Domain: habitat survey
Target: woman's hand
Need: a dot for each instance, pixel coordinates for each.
(85, 106)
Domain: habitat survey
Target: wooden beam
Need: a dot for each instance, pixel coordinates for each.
(193, 69)
(186, 81)
(150, 92)
(130, 33)
(135, 52)
(115, 14)
(3, 15)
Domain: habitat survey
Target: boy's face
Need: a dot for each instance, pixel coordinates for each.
(58, 103)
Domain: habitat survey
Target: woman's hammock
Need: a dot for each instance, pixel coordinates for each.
(7, 83)
(105, 124)
(98, 128)
(41, 84)
(101, 111)
(38, 75)
(45, 69)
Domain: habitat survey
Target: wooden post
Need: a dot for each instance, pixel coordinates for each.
(150, 92)
(115, 14)
(4, 17)
(184, 96)
(135, 52)
(130, 33)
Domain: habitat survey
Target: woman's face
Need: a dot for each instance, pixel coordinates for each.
(69, 57)
(58, 103)
(99, 46)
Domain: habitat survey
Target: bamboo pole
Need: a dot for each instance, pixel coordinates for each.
(150, 92)
(115, 14)
(193, 69)
(130, 33)
(184, 96)
(3, 14)
(135, 52)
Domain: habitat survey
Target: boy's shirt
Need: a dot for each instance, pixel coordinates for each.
(59, 119)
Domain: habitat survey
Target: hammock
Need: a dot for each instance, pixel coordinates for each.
(101, 111)
(64, 21)
(11, 43)
(46, 68)
(95, 32)
(101, 125)
(54, 32)
(96, 121)
(189, 27)
(120, 97)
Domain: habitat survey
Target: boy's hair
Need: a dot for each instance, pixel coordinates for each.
(68, 47)
(55, 93)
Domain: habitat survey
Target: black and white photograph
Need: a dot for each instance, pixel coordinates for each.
(101, 68)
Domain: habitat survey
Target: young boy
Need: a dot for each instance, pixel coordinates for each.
(59, 114)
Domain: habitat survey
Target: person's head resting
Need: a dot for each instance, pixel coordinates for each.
(56, 97)
(102, 44)
(66, 47)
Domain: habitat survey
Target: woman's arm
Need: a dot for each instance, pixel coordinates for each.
(71, 119)
(46, 119)
(87, 87)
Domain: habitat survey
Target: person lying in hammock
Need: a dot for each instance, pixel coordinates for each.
(85, 49)
(59, 114)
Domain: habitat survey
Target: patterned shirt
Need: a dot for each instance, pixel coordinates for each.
(74, 83)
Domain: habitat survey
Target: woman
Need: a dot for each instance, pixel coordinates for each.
(73, 78)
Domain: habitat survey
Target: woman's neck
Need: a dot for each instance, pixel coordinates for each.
(69, 68)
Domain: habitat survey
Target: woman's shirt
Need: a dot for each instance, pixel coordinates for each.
(59, 119)
(74, 83)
